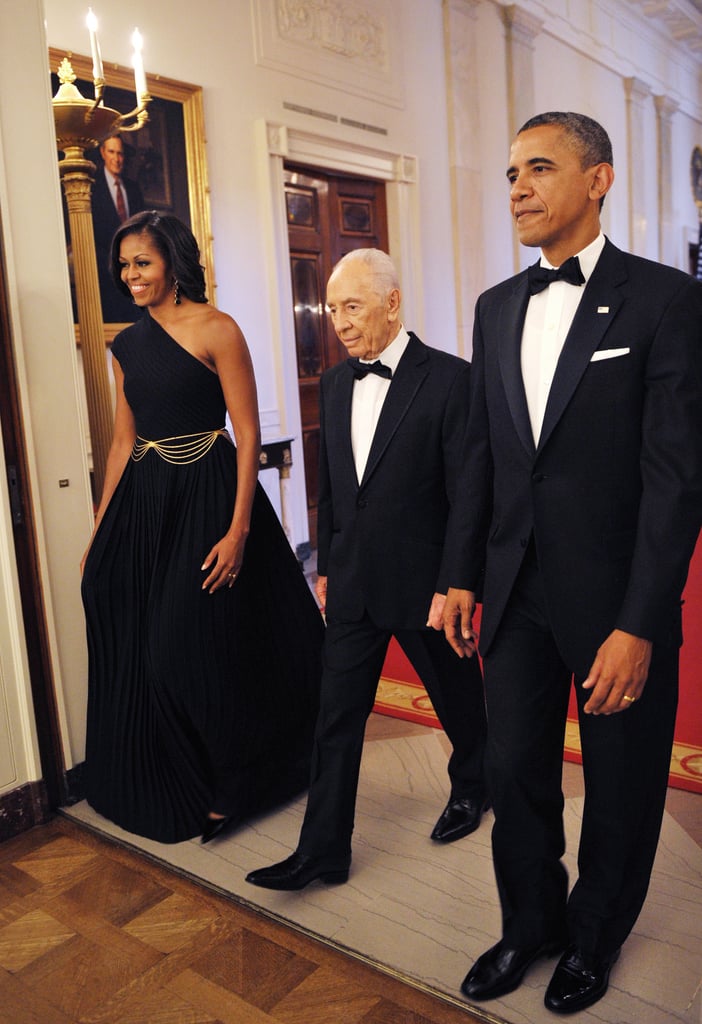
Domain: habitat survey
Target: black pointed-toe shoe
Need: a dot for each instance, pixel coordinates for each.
(502, 968)
(459, 818)
(580, 979)
(298, 870)
(214, 827)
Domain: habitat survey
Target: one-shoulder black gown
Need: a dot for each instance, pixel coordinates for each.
(197, 701)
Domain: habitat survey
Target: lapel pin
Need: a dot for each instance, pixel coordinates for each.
(603, 309)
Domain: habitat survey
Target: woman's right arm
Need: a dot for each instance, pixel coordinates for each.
(123, 438)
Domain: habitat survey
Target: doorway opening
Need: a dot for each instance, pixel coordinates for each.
(327, 215)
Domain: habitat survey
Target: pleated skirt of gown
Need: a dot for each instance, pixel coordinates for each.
(197, 701)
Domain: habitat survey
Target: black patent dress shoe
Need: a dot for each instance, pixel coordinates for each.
(459, 818)
(580, 979)
(501, 969)
(298, 870)
(213, 827)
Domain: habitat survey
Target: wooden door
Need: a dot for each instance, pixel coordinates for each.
(328, 216)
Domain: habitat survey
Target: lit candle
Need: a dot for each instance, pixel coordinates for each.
(91, 22)
(138, 64)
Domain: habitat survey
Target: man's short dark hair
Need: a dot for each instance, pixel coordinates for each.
(588, 137)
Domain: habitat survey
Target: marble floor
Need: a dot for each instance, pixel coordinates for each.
(424, 912)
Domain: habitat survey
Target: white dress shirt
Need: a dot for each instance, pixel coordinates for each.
(367, 401)
(548, 319)
(112, 189)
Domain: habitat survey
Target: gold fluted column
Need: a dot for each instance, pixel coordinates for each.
(77, 179)
(80, 125)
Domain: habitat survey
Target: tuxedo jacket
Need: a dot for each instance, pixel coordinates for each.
(381, 539)
(105, 218)
(116, 307)
(612, 493)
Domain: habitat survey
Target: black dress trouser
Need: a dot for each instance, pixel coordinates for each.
(626, 759)
(352, 659)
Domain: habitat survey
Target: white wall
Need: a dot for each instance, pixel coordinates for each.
(45, 353)
(595, 68)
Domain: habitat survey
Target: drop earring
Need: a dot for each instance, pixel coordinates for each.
(176, 294)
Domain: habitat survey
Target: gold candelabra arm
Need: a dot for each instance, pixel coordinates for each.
(139, 116)
(99, 89)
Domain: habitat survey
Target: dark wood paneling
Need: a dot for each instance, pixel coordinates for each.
(328, 216)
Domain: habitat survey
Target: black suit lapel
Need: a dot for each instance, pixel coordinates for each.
(338, 426)
(596, 312)
(407, 379)
(509, 332)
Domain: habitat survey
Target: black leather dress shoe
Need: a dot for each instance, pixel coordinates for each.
(501, 969)
(213, 827)
(579, 980)
(459, 818)
(298, 870)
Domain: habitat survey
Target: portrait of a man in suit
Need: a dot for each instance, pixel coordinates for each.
(114, 199)
(578, 510)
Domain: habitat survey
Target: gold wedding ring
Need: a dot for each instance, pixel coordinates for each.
(629, 699)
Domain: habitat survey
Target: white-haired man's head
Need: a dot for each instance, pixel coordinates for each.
(363, 299)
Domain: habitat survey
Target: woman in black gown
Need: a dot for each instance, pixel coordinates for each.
(204, 639)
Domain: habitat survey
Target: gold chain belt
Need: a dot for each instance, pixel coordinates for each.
(178, 450)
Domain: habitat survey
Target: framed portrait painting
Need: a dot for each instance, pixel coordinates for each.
(164, 167)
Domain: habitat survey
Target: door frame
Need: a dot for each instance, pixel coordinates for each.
(279, 142)
(22, 610)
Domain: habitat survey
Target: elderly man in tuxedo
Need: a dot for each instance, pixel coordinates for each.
(583, 474)
(391, 438)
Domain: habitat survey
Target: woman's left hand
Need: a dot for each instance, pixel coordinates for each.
(224, 562)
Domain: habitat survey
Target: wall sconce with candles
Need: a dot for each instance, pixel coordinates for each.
(82, 124)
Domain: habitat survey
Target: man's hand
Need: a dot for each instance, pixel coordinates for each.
(435, 618)
(321, 592)
(618, 674)
(458, 622)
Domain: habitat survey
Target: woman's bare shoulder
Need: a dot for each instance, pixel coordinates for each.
(220, 324)
(221, 335)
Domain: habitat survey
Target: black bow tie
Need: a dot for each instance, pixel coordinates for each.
(541, 277)
(361, 370)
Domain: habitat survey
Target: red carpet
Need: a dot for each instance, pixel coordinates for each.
(401, 694)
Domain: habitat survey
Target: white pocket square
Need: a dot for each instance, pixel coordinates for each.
(609, 353)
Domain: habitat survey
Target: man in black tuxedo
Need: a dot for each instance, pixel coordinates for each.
(583, 474)
(115, 198)
(391, 437)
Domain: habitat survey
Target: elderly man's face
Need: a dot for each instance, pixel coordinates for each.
(112, 152)
(364, 321)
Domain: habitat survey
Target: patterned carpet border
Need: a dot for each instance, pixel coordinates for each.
(399, 698)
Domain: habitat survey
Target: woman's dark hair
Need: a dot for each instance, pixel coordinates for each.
(175, 243)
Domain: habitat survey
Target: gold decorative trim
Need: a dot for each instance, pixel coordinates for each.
(181, 450)
(412, 702)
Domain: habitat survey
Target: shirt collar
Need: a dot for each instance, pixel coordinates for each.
(392, 353)
(587, 257)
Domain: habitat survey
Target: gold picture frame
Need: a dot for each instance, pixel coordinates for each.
(189, 98)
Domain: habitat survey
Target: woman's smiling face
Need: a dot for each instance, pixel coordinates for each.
(144, 270)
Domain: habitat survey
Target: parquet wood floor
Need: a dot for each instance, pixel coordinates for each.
(92, 933)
